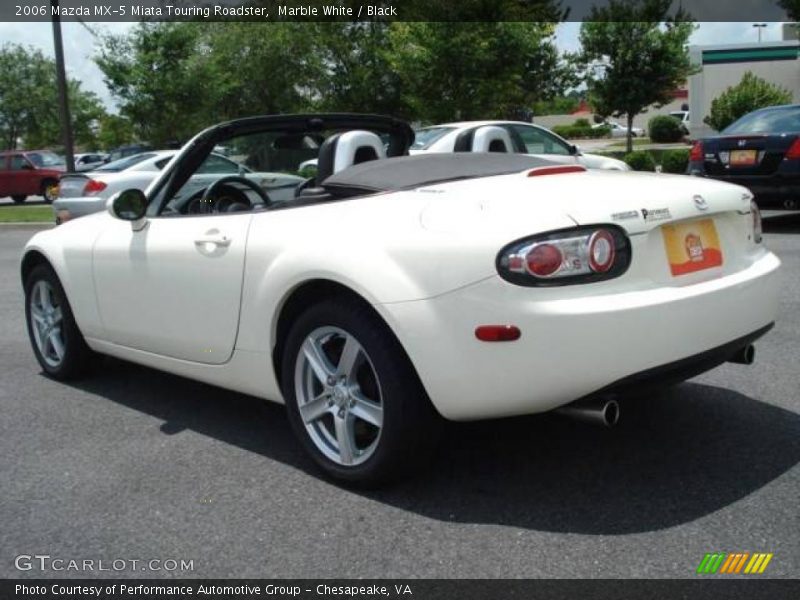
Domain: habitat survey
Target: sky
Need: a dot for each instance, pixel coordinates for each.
(79, 43)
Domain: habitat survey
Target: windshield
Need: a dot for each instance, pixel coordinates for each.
(424, 138)
(126, 163)
(45, 159)
(776, 120)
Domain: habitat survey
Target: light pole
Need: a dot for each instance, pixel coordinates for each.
(63, 98)
(760, 27)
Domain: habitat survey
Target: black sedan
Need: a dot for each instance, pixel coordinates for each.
(760, 151)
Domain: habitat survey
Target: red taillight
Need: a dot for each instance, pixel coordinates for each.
(497, 333)
(793, 153)
(544, 259)
(601, 251)
(582, 254)
(696, 154)
(556, 170)
(93, 186)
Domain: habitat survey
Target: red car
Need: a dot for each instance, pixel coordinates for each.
(30, 173)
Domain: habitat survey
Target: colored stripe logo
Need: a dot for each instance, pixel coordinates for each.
(736, 563)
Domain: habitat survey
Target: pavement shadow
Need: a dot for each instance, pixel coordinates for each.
(783, 223)
(675, 457)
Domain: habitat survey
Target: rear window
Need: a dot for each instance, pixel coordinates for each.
(424, 138)
(779, 120)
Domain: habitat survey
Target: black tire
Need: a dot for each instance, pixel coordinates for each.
(410, 425)
(76, 354)
(19, 198)
(46, 193)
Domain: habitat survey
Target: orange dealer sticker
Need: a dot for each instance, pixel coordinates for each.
(692, 246)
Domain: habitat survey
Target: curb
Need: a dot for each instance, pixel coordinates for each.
(29, 224)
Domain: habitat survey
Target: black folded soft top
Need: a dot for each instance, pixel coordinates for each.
(408, 172)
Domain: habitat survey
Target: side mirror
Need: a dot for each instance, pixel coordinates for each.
(129, 205)
(26, 167)
(575, 149)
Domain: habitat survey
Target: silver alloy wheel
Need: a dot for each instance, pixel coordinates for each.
(338, 395)
(46, 323)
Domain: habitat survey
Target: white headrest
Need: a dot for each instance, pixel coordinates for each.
(351, 144)
(484, 136)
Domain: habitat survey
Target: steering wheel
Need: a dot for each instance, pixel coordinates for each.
(207, 200)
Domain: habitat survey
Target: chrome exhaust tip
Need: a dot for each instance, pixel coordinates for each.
(603, 411)
(744, 356)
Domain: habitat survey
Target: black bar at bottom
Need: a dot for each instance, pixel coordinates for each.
(752, 588)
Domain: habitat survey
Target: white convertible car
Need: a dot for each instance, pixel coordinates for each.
(509, 137)
(394, 290)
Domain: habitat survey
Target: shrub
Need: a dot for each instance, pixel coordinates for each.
(674, 161)
(581, 129)
(750, 94)
(664, 129)
(640, 160)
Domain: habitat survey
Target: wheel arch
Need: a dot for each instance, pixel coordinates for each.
(31, 260)
(305, 295)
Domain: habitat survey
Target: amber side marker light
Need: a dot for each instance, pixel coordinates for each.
(497, 333)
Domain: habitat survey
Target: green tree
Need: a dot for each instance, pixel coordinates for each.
(749, 94)
(356, 71)
(456, 70)
(172, 79)
(792, 8)
(636, 56)
(257, 68)
(159, 79)
(114, 131)
(29, 102)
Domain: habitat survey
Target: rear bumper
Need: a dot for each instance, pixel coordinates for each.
(683, 369)
(575, 346)
(768, 190)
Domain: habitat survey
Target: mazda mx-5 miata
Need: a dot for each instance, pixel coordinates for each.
(392, 291)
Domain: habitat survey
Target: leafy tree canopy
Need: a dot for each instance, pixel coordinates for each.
(29, 101)
(636, 55)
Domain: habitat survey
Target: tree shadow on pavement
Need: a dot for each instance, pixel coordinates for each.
(674, 457)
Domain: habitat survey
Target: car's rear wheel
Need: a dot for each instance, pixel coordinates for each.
(56, 340)
(19, 199)
(49, 190)
(353, 398)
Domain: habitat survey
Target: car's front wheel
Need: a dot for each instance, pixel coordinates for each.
(57, 342)
(353, 398)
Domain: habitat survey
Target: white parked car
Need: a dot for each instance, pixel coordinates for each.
(395, 290)
(508, 137)
(90, 161)
(620, 131)
(83, 194)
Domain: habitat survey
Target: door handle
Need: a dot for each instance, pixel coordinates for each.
(217, 240)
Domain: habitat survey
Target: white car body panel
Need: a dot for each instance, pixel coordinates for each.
(425, 260)
(447, 142)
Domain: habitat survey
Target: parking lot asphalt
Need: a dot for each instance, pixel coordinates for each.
(136, 464)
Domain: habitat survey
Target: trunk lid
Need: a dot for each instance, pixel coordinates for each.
(72, 185)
